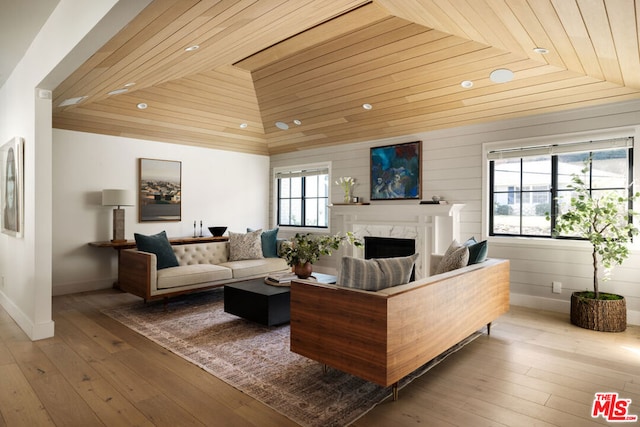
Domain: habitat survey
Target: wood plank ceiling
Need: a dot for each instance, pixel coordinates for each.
(318, 62)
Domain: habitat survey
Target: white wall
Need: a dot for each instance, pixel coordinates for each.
(452, 167)
(218, 187)
(25, 263)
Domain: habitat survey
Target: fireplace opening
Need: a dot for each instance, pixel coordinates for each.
(389, 247)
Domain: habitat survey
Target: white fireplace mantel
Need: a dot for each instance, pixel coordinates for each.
(433, 227)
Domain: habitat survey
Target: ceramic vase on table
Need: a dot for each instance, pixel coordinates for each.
(303, 271)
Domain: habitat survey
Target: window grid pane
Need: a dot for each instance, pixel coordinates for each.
(523, 193)
(303, 201)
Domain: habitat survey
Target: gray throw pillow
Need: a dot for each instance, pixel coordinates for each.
(375, 274)
(456, 256)
(245, 246)
(159, 245)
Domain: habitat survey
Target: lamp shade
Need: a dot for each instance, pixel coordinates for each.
(116, 197)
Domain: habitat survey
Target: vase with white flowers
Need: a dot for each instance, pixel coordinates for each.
(347, 183)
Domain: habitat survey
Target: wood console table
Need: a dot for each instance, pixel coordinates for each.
(130, 244)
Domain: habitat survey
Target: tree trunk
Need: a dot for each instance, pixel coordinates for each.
(595, 274)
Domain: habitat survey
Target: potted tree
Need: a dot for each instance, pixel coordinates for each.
(604, 222)
(305, 249)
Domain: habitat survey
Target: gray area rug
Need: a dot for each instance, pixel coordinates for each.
(256, 359)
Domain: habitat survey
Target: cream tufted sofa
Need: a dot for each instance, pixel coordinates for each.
(201, 266)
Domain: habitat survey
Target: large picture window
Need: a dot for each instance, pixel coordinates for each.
(303, 197)
(528, 183)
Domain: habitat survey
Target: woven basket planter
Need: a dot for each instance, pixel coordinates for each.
(598, 315)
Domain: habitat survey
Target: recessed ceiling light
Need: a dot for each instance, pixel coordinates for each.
(541, 50)
(297, 122)
(129, 84)
(243, 125)
(501, 75)
(466, 84)
(282, 125)
(367, 106)
(192, 48)
(142, 106)
(117, 91)
(72, 101)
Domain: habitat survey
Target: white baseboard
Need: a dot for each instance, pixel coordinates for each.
(35, 331)
(76, 287)
(550, 304)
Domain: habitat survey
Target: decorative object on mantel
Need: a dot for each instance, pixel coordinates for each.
(395, 171)
(431, 202)
(435, 200)
(604, 222)
(354, 204)
(118, 198)
(305, 249)
(347, 183)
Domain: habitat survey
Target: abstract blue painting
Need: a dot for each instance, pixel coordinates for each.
(395, 171)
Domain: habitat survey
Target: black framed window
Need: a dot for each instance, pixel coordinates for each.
(303, 198)
(526, 184)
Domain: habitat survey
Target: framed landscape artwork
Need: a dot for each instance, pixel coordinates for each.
(395, 171)
(160, 190)
(12, 186)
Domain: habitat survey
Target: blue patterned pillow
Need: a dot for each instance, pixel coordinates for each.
(157, 244)
(375, 274)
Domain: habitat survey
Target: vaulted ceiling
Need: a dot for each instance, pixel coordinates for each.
(316, 62)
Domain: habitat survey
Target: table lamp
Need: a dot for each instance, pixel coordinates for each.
(115, 197)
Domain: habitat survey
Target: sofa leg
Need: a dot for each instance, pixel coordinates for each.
(325, 369)
(394, 387)
(489, 328)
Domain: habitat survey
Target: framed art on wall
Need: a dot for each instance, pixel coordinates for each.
(160, 190)
(12, 187)
(395, 171)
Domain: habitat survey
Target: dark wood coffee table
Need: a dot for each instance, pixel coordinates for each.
(265, 304)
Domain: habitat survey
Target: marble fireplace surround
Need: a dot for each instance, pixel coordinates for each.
(432, 227)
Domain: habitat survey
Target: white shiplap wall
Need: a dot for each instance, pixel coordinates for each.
(452, 167)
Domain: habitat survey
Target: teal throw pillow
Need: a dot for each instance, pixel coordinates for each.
(471, 241)
(269, 239)
(478, 252)
(159, 245)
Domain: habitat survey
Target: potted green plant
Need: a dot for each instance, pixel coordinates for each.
(304, 249)
(604, 222)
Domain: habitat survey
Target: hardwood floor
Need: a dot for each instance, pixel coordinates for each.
(534, 369)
